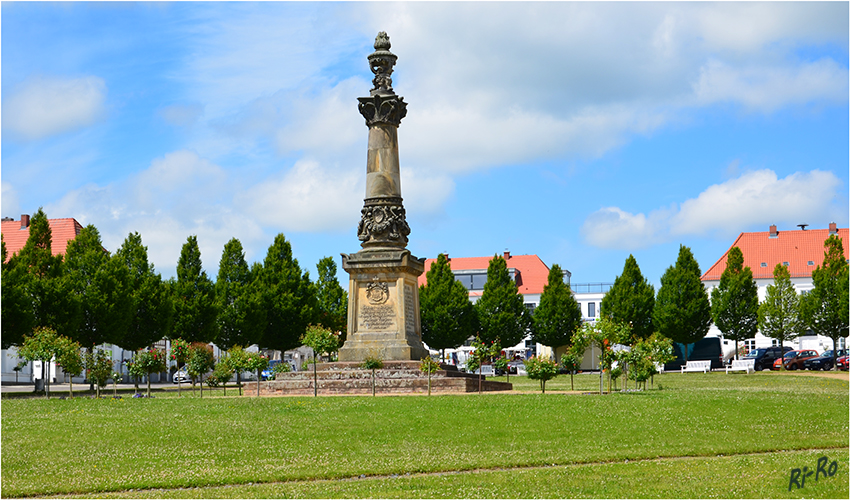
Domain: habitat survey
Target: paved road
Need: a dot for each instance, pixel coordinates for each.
(60, 388)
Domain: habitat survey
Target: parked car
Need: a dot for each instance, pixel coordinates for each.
(763, 357)
(841, 363)
(268, 373)
(181, 375)
(824, 361)
(707, 349)
(793, 360)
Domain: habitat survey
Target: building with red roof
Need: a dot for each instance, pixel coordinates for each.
(17, 232)
(15, 236)
(800, 250)
(531, 275)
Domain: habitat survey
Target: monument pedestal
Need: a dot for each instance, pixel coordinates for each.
(383, 306)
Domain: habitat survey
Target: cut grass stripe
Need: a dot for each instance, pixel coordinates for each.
(761, 475)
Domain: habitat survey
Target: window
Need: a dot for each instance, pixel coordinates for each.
(764, 264)
(530, 306)
(591, 309)
(464, 280)
(750, 344)
(786, 264)
(478, 281)
(810, 263)
(774, 342)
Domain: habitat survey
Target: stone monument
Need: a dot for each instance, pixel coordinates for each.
(383, 293)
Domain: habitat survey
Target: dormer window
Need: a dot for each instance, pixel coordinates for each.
(786, 264)
(764, 264)
(810, 263)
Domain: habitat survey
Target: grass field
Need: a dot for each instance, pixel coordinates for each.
(712, 435)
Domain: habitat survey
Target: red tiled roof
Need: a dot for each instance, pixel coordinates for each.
(797, 248)
(533, 273)
(63, 231)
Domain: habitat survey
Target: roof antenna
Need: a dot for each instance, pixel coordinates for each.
(802, 226)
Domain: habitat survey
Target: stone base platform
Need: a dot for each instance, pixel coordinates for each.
(397, 377)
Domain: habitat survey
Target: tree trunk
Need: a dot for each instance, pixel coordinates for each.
(373, 381)
(258, 382)
(429, 379)
(572, 387)
(736, 349)
(315, 378)
(71, 386)
(149, 385)
(601, 381)
(239, 381)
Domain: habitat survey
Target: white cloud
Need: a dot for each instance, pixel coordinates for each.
(758, 198)
(182, 115)
(769, 88)
(309, 197)
(44, 106)
(611, 227)
(755, 199)
(10, 205)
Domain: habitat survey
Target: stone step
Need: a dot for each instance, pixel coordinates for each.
(396, 377)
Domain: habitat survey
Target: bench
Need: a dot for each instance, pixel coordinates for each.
(697, 366)
(486, 370)
(741, 365)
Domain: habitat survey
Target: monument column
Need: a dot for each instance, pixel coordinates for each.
(383, 293)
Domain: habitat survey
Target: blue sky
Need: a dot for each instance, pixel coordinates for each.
(580, 132)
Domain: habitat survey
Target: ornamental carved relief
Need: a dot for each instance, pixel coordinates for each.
(382, 109)
(383, 224)
(377, 292)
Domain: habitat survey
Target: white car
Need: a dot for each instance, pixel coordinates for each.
(181, 375)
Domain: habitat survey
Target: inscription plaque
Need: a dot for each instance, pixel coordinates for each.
(409, 311)
(381, 317)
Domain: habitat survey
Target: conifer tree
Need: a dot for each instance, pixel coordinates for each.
(779, 314)
(631, 300)
(42, 280)
(241, 312)
(735, 301)
(153, 310)
(332, 299)
(825, 308)
(290, 298)
(559, 315)
(102, 286)
(18, 318)
(682, 311)
(447, 316)
(501, 311)
(193, 296)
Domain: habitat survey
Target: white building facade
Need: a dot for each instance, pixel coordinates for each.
(801, 251)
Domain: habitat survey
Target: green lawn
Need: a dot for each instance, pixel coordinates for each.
(88, 446)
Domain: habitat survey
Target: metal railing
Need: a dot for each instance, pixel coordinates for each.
(591, 287)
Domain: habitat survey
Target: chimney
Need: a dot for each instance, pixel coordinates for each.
(773, 232)
(25, 221)
(833, 228)
(507, 255)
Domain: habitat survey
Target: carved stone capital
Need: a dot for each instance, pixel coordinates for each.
(383, 224)
(389, 109)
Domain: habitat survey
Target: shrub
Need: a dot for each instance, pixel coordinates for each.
(541, 369)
